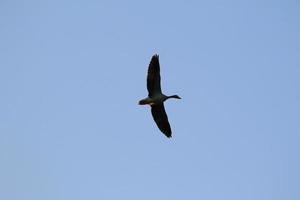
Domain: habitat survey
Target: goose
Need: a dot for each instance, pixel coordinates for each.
(156, 98)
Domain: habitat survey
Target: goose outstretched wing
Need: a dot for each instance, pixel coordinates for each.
(153, 78)
(161, 119)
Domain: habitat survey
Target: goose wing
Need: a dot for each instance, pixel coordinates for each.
(153, 78)
(161, 119)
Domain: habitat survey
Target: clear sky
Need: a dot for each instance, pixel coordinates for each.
(72, 72)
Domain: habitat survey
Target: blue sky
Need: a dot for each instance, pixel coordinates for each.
(72, 72)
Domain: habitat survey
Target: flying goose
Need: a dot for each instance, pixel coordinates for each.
(156, 98)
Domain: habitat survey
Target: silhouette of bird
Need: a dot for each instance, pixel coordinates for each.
(156, 98)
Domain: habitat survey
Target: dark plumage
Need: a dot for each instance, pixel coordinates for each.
(153, 78)
(156, 98)
(161, 119)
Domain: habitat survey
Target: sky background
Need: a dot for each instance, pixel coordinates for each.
(72, 72)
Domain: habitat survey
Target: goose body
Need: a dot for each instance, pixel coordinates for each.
(156, 98)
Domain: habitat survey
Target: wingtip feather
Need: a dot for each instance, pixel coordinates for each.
(155, 56)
